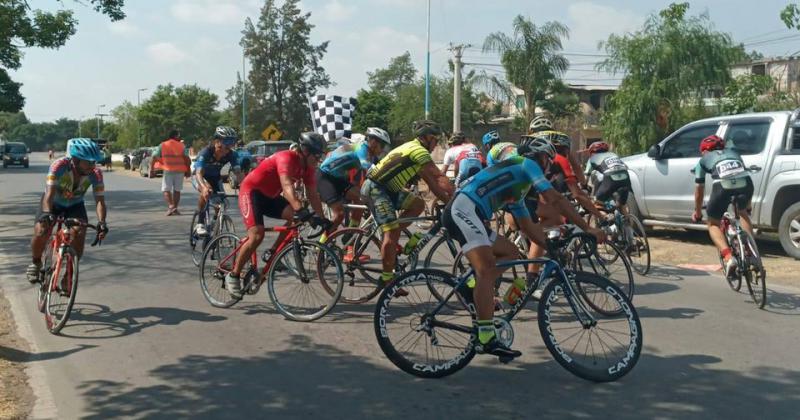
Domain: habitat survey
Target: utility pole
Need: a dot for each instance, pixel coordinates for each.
(138, 124)
(97, 117)
(457, 51)
(244, 99)
(428, 67)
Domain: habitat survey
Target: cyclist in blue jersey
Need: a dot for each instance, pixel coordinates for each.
(207, 177)
(333, 176)
(466, 217)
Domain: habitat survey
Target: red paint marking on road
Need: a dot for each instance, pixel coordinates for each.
(702, 267)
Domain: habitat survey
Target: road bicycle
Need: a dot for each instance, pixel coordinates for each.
(748, 259)
(432, 335)
(626, 232)
(58, 277)
(304, 277)
(216, 224)
(360, 251)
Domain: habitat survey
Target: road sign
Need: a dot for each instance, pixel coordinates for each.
(271, 133)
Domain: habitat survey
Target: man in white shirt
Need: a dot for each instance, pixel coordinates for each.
(458, 143)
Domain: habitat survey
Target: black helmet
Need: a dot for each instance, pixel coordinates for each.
(426, 128)
(313, 142)
(457, 138)
(530, 146)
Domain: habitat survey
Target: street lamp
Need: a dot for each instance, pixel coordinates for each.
(97, 117)
(138, 125)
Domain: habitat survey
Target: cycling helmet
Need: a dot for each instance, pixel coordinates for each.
(427, 127)
(557, 138)
(490, 138)
(226, 134)
(84, 149)
(540, 123)
(457, 138)
(379, 134)
(502, 151)
(598, 147)
(357, 138)
(313, 142)
(530, 146)
(712, 142)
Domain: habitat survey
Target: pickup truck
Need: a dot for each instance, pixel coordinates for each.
(663, 185)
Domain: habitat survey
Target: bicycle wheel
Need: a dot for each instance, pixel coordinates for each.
(602, 348)
(45, 273)
(197, 243)
(501, 285)
(61, 291)
(226, 224)
(637, 248)
(216, 263)
(611, 264)
(420, 342)
(441, 254)
(298, 279)
(362, 282)
(754, 273)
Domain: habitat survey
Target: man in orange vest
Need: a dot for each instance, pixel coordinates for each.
(175, 161)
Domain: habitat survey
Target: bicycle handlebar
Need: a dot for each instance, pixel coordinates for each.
(73, 222)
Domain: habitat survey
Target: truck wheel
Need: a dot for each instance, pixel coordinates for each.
(789, 231)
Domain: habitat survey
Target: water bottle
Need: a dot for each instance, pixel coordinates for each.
(514, 293)
(412, 243)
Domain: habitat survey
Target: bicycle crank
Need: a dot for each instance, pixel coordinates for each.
(504, 331)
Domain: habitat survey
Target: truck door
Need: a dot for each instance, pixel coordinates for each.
(749, 138)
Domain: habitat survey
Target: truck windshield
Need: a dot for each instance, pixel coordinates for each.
(16, 148)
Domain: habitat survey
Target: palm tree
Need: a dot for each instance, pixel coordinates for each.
(531, 58)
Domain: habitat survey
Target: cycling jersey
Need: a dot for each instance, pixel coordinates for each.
(401, 167)
(266, 176)
(505, 184)
(451, 155)
(725, 166)
(500, 152)
(468, 163)
(211, 167)
(606, 164)
(70, 186)
(346, 157)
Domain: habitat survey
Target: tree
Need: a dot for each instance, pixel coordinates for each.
(189, 108)
(127, 126)
(388, 81)
(10, 120)
(372, 111)
(24, 27)
(669, 66)
(232, 116)
(790, 15)
(742, 94)
(285, 64)
(531, 59)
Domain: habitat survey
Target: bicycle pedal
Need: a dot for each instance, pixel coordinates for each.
(505, 359)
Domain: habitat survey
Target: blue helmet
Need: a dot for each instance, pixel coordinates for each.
(491, 138)
(84, 149)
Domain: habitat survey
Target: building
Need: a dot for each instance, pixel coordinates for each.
(784, 70)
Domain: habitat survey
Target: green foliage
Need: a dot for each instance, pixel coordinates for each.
(561, 102)
(531, 59)
(40, 136)
(790, 15)
(24, 27)
(232, 116)
(189, 108)
(286, 67)
(671, 63)
(399, 73)
(126, 134)
(742, 94)
(372, 111)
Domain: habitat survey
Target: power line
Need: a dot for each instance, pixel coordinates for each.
(773, 40)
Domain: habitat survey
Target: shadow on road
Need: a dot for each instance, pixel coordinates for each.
(14, 355)
(770, 248)
(671, 273)
(318, 380)
(781, 303)
(93, 321)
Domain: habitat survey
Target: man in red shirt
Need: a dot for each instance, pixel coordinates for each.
(260, 195)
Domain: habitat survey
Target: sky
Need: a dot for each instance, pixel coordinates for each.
(197, 42)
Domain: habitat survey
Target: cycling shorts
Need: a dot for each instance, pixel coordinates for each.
(463, 224)
(75, 211)
(254, 205)
(331, 189)
(720, 198)
(216, 184)
(384, 204)
(608, 186)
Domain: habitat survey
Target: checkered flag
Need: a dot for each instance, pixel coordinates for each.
(332, 115)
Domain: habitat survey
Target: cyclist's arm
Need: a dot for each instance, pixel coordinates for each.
(287, 184)
(572, 156)
(49, 197)
(565, 208)
(439, 184)
(314, 200)
(532, 231)
(199, 174)
(583, 199)
(100, 208)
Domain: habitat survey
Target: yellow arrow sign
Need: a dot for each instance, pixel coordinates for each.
(271, 133)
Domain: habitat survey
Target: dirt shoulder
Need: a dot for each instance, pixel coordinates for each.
(16, 396)
(693, 248)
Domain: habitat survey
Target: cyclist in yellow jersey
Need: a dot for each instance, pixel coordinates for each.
(385, 190)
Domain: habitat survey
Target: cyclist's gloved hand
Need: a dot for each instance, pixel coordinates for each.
(46, 218)
(318, 221)
(303, 215)
(102, 228)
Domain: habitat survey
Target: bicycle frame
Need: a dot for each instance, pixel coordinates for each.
(293, 235)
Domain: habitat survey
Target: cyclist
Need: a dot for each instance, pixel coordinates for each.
(609, 175)
(562, 173)
(385, 189)
(458, 143)
(466, 218)
(260, 195)
(730, 179)
(490, 139)
(334, 179)
(207, 178)
(67, 181)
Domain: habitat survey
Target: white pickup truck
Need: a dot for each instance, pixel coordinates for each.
(663, 186)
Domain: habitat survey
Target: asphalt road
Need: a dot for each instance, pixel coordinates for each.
(145, 344)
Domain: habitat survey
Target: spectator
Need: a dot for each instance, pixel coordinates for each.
(174, 159)
(107, 157)
(50, 154)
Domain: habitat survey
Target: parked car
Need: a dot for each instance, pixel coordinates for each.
(260, 150)
(147, 161)
(663, 186)
(136, 157)
(15, 153)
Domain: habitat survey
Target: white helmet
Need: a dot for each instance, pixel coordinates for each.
(379, 134)
(540, 123)
(357, 138)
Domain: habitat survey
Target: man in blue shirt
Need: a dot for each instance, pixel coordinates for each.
(207, 177)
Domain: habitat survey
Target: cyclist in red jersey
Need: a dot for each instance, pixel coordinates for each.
(260, 195)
